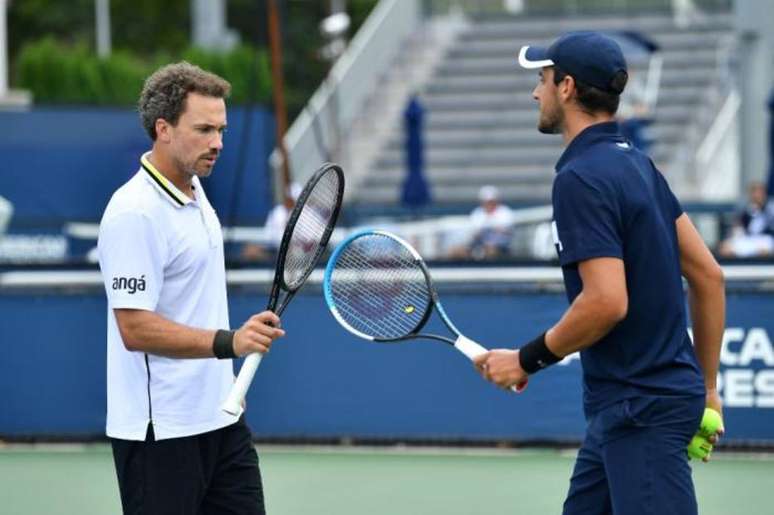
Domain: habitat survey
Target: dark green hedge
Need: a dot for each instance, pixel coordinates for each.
(56, 73)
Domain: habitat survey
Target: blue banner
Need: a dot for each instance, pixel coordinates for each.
(54, 158)
(321, 382)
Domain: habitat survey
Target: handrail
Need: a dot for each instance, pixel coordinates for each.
(352, 77)
(719, 128)
(653, 84)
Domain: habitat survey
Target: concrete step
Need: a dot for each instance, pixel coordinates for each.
(514, 193)
(527, 117)
(485, 101)
(694, 60)
(507, 137)
(530, 27)
(468, 157)
(473, 178)
(669, 41)
(518, 80)
(471, 156)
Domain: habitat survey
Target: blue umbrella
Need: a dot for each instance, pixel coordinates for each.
(636, 46)
(416, 192)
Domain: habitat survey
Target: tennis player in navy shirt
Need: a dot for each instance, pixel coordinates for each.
(624, 244)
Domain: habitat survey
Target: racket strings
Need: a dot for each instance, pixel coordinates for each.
(313, 221)
(378, 288)
(384, 314)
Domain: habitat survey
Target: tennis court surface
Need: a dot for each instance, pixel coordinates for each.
(70, 479)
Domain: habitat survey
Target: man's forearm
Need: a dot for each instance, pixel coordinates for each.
(707, 302)
(146, 331)
(583, 324)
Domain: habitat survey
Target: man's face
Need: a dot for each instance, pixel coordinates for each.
(489, 205)
(758, 194)
(551, 114)
(197, 139)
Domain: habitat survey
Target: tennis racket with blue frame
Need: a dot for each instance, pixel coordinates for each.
(379, 288)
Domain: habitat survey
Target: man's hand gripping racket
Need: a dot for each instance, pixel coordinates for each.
(306, 235)
(378, 287)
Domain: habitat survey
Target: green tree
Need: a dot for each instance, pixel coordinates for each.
(51, 47)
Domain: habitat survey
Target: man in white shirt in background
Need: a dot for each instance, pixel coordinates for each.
(274, 229)
(492, 224)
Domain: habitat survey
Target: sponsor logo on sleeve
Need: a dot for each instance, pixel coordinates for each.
(130, 284)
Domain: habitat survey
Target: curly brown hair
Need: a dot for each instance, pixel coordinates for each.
(165, 91)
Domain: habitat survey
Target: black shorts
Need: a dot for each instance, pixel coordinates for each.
(210, 473)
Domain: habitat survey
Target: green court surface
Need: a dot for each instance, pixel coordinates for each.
(347, 481)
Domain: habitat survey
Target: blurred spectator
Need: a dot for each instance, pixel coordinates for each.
(273, 229)
(492, 228)
(753, 232)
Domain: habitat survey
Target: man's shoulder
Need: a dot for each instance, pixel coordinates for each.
(135, 196)
(608, 165)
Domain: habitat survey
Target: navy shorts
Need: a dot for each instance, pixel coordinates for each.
(633, 459)
(211, 473)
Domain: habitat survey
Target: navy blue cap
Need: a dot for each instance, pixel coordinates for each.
(589, 57)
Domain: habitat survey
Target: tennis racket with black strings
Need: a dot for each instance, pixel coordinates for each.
(306, 236)
(378, 287)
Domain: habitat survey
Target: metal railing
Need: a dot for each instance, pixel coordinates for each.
(710, 134)
(317, 134)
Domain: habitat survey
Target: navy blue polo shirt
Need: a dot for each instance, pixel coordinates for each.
(610, 201)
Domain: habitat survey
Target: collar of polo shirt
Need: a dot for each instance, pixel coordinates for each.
(170, 191)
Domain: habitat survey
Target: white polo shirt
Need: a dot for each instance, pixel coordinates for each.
(161, 251)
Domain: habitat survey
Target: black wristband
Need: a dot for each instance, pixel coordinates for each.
(223, 344)
(536, 356)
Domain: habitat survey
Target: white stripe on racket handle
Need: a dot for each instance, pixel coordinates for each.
(473, 350)
(236, 397)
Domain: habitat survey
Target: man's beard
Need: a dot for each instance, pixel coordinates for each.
(551, 122)
(189, 168)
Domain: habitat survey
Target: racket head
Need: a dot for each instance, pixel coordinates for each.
(377, 286)
(309, 227)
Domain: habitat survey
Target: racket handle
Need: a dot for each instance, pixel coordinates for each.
(473, 350)
(469, 348)
(236, 397)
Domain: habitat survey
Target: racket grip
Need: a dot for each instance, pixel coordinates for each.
(469, 348)
(236, 397)
(472, 350)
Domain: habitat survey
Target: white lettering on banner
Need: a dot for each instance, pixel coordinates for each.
(746, 387)
(737, 388)
(730, 335)
(740, 384)
(756, 346)
(764, 383)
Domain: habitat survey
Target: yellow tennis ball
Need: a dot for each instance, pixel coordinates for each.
(710, 423)
(699, 448)
(408, 309)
